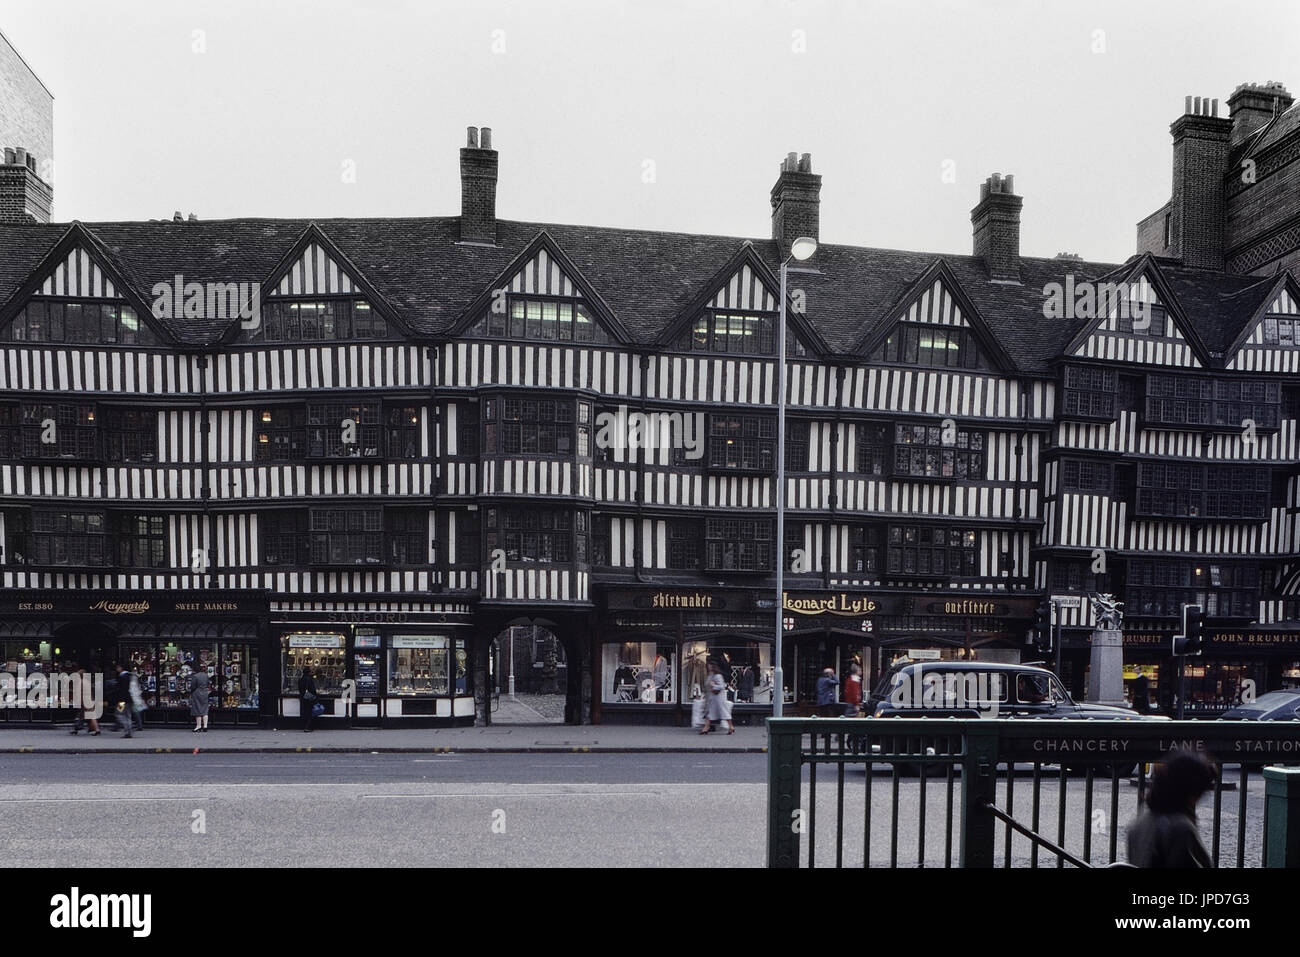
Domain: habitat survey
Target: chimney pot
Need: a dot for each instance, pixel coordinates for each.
(177, 217)
(478, 188)
(796, 202)
(471, 138)
(193, 218)
(996, 227)
(10, 157)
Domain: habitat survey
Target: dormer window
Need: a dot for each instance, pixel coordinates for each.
(79, 322)
(303, 320)
(1281, 331)
(540, 319)
(738, 333)
(935, 347)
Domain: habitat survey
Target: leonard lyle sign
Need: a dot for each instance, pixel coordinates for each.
(840, 603)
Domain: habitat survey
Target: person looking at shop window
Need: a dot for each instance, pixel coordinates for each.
(308, 698)
(198, 688)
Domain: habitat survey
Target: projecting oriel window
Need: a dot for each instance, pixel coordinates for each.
(930, 451)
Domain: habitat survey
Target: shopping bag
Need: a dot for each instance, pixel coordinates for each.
(697, 713)
(317, 710)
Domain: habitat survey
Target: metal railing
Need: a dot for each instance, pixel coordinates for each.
(990, 793)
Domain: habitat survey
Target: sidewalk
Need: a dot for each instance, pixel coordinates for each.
(499, 738)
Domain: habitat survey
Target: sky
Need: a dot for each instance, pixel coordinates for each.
(648, 114)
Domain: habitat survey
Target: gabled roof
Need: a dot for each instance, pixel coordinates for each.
(1263, 295)
(1184, 308)
(53, 255)
(543, 241)
(313, 235)
(642, 282)
(939, 272)
(745, 255)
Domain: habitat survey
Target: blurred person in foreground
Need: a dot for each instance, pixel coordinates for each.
(1164, 833)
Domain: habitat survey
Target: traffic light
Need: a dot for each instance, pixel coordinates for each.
(1043, 626)
(1192, 640)
(1194, 628)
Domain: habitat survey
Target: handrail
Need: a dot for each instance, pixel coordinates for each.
(1037, 838)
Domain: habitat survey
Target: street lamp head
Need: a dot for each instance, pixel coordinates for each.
(803, 247)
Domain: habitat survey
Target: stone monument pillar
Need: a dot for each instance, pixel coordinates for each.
(1106, 674)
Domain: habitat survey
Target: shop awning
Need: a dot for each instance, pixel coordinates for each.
(26, 629)
(187, 631)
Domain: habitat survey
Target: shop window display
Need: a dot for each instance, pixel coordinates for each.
(418, 665)
(746, 665)
(639, 672)
(237, 677)
(323, 653)
(170, 682)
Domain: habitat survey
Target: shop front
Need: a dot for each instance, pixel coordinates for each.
(654, 644)
(163, 637)
(1236, 664)
(839, 629)
(378, 668)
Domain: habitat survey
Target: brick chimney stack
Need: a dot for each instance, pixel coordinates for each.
(996, 226)
(1197, 209)
(1252, 105)
(24, 196)
(796, 202)
(478, 188)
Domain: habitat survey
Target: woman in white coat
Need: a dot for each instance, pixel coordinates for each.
(719, 708)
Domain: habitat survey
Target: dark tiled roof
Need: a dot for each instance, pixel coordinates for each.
(1217, 305)
(648, 279)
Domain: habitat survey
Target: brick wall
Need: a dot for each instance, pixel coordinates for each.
(26, 108)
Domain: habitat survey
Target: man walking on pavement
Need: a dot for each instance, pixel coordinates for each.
(126, 705)
(826, 684)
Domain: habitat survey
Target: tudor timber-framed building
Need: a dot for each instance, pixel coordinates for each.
(405, 452)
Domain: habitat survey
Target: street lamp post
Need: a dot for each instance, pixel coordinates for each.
(800, 249)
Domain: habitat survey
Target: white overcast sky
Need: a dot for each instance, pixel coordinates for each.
(580, 94)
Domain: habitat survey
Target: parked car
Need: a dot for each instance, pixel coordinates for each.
(978, 689)
(975, 689)
(1274, 706)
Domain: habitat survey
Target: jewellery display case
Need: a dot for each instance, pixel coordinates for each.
(323, 653)
(176, 662)
(418, 665)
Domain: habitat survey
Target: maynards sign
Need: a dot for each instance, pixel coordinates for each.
(839, 603)
(121, 607)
